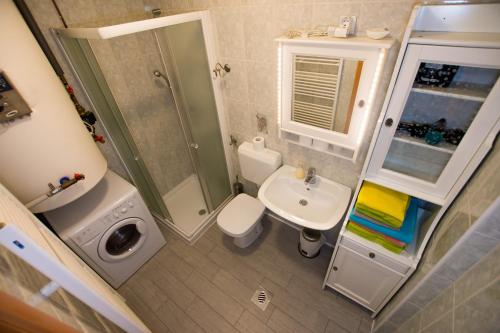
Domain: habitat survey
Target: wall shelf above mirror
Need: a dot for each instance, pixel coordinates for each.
(326, 90)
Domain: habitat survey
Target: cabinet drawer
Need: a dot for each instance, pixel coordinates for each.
(374, 255)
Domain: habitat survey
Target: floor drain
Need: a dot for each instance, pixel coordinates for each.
(303, 202)
(202, 212)
(261, 298)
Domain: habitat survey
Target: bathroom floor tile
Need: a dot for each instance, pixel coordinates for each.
(208, 286)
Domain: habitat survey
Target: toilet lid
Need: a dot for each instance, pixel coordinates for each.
(240, 215)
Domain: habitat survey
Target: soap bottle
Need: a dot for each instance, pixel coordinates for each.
(299, 172)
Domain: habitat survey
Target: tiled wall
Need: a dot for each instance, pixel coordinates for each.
(479, 193)
(470, 304)
(245, 30)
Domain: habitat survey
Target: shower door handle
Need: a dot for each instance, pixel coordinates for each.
(194, 145)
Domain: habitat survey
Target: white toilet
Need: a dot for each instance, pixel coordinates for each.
(241, 218)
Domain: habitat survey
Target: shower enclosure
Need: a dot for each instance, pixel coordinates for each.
(150, 83)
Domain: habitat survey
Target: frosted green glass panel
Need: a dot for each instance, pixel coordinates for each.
(88, 71)
(189, 58)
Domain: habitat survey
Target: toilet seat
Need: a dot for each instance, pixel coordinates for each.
(238, 217)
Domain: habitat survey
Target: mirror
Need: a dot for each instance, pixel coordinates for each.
(326, 86)
(324, 91)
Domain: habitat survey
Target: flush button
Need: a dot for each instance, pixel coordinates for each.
(130, 204)
(123, 210)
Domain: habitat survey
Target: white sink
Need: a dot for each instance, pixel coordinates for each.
(319, 206)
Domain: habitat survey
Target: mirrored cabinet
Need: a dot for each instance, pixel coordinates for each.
(326, 90)
(443, 105)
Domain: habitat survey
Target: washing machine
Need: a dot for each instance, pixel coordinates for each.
(110, 228)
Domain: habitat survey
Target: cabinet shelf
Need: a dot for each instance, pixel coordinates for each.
(442, 146)
(460, 93)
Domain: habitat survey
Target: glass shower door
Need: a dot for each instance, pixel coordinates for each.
(184, 46)
(151, 85)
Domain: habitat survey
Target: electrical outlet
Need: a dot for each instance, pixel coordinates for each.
(349, 23)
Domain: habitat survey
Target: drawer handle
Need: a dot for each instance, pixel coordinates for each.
(389, 122)
(371, 255)
(335, 268)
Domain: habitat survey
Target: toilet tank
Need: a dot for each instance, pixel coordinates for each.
(257, 165)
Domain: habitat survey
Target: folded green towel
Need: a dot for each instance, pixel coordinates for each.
(379, 216)
(375, 237)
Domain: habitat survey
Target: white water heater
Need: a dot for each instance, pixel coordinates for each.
(51, 142)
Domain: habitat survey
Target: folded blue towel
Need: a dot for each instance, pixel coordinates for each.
(404, 234)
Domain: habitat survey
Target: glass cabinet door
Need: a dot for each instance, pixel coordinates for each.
(441, 110)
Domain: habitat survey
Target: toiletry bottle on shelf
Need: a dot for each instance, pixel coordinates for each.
(299, 172)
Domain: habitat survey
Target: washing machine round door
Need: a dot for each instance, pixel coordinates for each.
(122, 239)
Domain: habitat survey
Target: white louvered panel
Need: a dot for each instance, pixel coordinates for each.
(314, 88)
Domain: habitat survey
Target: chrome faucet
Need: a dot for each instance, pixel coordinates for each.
(310, 177)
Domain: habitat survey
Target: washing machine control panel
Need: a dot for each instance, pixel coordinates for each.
(86, 235)
(120, 211)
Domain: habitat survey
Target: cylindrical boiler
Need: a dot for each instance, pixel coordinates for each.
(52, 142)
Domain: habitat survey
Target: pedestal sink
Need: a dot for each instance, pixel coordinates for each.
(319, 206)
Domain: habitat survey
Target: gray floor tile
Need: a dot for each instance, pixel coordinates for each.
(147, 291)
(225, 305)
(365, 326)
(208, 287)
(176, 319)
(295, 308)
(204, 244)
(333, 327)
(174, 289)
(282, 323)
(442, 325)
(248, 323)
(149, 318)
(336, 308)
(231, 263)
(194, 258)
(242, 294)
(207, 318)
(172, 262)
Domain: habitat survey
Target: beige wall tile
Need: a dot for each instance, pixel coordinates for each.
(438, 306)
(481, 313)
(478, 276)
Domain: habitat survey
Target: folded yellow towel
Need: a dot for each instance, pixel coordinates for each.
(386, 205)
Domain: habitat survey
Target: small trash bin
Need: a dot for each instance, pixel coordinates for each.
(310, 242)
